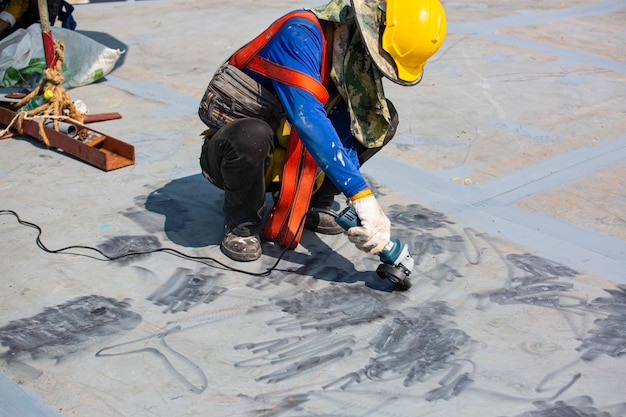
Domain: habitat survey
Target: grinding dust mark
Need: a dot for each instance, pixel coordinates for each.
(420, 228)
(299, 354)
(416, 217)
(609, 335)
(541, 284)
(558, 389)
(124, 245)
(537, 281)
(330, 308)
(538, 285)
(417, 347)
(280, 406)
(187, 289)
(444, 256)
(441, 253)
(59, 331)
(325, 312)
(577, 407)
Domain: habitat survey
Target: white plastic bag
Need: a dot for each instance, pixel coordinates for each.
(22, 55)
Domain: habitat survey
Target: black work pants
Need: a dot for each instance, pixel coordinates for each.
(235, 159)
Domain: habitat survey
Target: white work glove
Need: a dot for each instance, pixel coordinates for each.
(375, 230)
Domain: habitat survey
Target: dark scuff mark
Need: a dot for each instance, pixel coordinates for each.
(331, 308)
(539, 284)
(429, 245)
(296, 355)
(416, 217)
(577, 407)
(125, 245)
(609, 335)
(67, 328)
(186, 289)
(416, 347)
(324, 313)
(278, 406)
(440, 252)
(540, 267)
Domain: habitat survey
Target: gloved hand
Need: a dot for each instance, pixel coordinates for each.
(375, 229)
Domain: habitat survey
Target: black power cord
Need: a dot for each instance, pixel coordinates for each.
(201, 259)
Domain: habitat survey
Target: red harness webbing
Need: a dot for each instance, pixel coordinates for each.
(284, 220)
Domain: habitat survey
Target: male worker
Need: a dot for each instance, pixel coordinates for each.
(366, 40)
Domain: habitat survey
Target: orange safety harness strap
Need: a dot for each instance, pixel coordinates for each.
(299, 172)
(288, 76)
(247, 56)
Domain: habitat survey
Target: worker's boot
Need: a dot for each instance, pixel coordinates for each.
(240, 244)
(319, 219)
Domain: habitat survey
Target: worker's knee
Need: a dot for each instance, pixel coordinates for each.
(250, 136)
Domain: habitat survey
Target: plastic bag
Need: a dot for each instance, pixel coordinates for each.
(22, 58)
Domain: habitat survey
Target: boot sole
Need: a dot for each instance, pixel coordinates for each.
(241, 256)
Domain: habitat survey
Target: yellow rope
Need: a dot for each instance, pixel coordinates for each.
(55, 107)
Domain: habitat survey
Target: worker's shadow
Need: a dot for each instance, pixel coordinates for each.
(193, 213)
(192, 208)
(329, 259)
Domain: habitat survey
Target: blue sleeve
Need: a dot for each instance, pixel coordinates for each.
(298, 45)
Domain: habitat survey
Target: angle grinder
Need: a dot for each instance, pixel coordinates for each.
(397, 263)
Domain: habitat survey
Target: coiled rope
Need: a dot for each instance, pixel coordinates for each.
(59, 107)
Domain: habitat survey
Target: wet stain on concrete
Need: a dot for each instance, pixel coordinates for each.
(60, 331)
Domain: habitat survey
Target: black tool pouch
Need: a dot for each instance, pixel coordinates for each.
(233, 95)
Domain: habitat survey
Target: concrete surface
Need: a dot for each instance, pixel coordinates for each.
(506, 181)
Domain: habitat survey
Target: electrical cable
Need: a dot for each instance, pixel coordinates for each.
(201, 259)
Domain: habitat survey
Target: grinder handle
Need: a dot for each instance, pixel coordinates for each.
(348, 218)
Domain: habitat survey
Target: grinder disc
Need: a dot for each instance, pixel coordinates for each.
(395, 275)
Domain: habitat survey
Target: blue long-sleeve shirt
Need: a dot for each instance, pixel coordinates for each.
(328, 139)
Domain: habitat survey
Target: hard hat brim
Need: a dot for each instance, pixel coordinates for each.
(369, 18)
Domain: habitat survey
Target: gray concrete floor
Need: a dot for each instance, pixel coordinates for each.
(505, 179)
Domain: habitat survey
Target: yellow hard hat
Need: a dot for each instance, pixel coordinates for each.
(414, 31)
